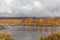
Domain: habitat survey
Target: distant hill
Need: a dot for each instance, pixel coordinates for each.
(26, 17)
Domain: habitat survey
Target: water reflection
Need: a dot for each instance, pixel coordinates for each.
(21, 33)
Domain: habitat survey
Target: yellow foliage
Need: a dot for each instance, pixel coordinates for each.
(30, 22)
(6, 36)
(41, 20)
(54, 36)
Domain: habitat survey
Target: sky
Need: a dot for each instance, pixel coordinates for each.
(29, 8)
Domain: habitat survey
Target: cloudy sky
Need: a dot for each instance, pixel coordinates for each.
(29, 8)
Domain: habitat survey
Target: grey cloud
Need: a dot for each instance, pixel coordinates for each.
(29, 8)
(54, 8)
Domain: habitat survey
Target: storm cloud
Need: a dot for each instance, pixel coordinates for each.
(29, 8)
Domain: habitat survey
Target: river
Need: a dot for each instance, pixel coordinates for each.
(25, 35)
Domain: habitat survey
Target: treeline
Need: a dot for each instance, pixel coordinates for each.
(31, 22)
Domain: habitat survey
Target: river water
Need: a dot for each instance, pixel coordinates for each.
(19, 34)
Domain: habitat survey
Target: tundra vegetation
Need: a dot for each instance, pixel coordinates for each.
(54, 36)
